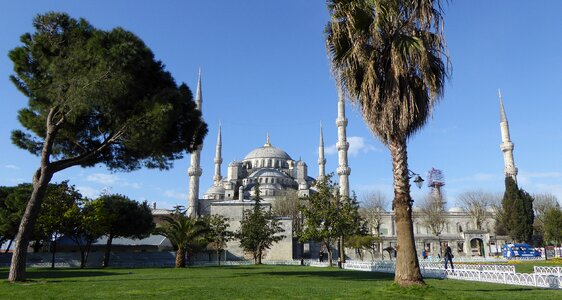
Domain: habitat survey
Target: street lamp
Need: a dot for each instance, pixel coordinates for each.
(417, 178)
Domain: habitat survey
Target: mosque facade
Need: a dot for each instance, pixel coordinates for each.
(279, 174)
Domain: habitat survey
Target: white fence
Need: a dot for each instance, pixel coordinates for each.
(545, 277)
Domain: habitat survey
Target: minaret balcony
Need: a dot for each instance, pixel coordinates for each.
(506, 146)
(341, 122)
(344, 170)
(342, 146)
(194, 171)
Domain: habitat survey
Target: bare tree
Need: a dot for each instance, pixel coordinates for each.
(477, 204)
(498, 214)
(288, 206)
(373, 205)
(543, 202)
(433, 214)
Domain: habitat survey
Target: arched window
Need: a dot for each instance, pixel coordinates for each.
(459, 227)
(417, 228)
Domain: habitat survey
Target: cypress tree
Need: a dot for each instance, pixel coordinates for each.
(518, 214)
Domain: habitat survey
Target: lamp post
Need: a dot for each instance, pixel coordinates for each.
(417, 180)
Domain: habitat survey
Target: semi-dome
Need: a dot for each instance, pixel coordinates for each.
(215, 190)
(268, 173)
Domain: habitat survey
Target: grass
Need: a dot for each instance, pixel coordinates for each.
(246, 282)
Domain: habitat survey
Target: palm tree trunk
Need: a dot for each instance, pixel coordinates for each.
(41, 180)
(180, 257)
(407, 265)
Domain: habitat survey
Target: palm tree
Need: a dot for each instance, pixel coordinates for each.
(387, 57)
(182, 231)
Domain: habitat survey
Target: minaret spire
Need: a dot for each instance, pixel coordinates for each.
(506, 145)
(342, 146)
(321, 159)
(218, 159)
(198, 96)
(195, 170)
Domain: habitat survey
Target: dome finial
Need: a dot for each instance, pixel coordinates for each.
(267, 143)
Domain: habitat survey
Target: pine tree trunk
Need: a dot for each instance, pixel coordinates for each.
(9, 245)
(218, 257)
(407, 265)
(329, 254)
(41, 180)
(180, 257)
(54, 252)
(107, 250)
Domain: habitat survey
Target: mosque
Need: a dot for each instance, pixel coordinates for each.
(278, 173)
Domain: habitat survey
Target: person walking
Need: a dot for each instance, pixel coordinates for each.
(449, 257)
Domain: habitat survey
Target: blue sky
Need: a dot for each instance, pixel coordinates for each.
(265, 69)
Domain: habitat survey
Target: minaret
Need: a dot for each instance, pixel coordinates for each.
(506, 145)
(342, 146)
(195, 170)
(218, 160)
(321, 159)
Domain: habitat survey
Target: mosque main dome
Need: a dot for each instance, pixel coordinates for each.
(267, 151)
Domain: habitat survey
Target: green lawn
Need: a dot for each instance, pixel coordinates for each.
(246, 282)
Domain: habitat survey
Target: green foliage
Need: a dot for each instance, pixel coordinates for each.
(12, 205)
(518, 215)
(362, 243)
(104, 96)
(124, 217)
(328, 217)
(58, 200)
(218, 234)
(553, 225)
(258, 229)
(184, 233)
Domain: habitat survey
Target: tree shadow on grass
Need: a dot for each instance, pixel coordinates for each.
(33, 275)
(339, 274)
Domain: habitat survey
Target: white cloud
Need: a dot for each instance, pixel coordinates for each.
(175, 194)
(13, 167)
(17, 180)
(527, 178)
(480, 177)
(88, 191)
(105, 179)
(357, 145)
(111, 179)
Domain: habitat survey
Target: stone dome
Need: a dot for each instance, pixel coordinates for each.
(267, 151)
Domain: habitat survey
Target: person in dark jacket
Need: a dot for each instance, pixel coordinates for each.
(449, 257)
